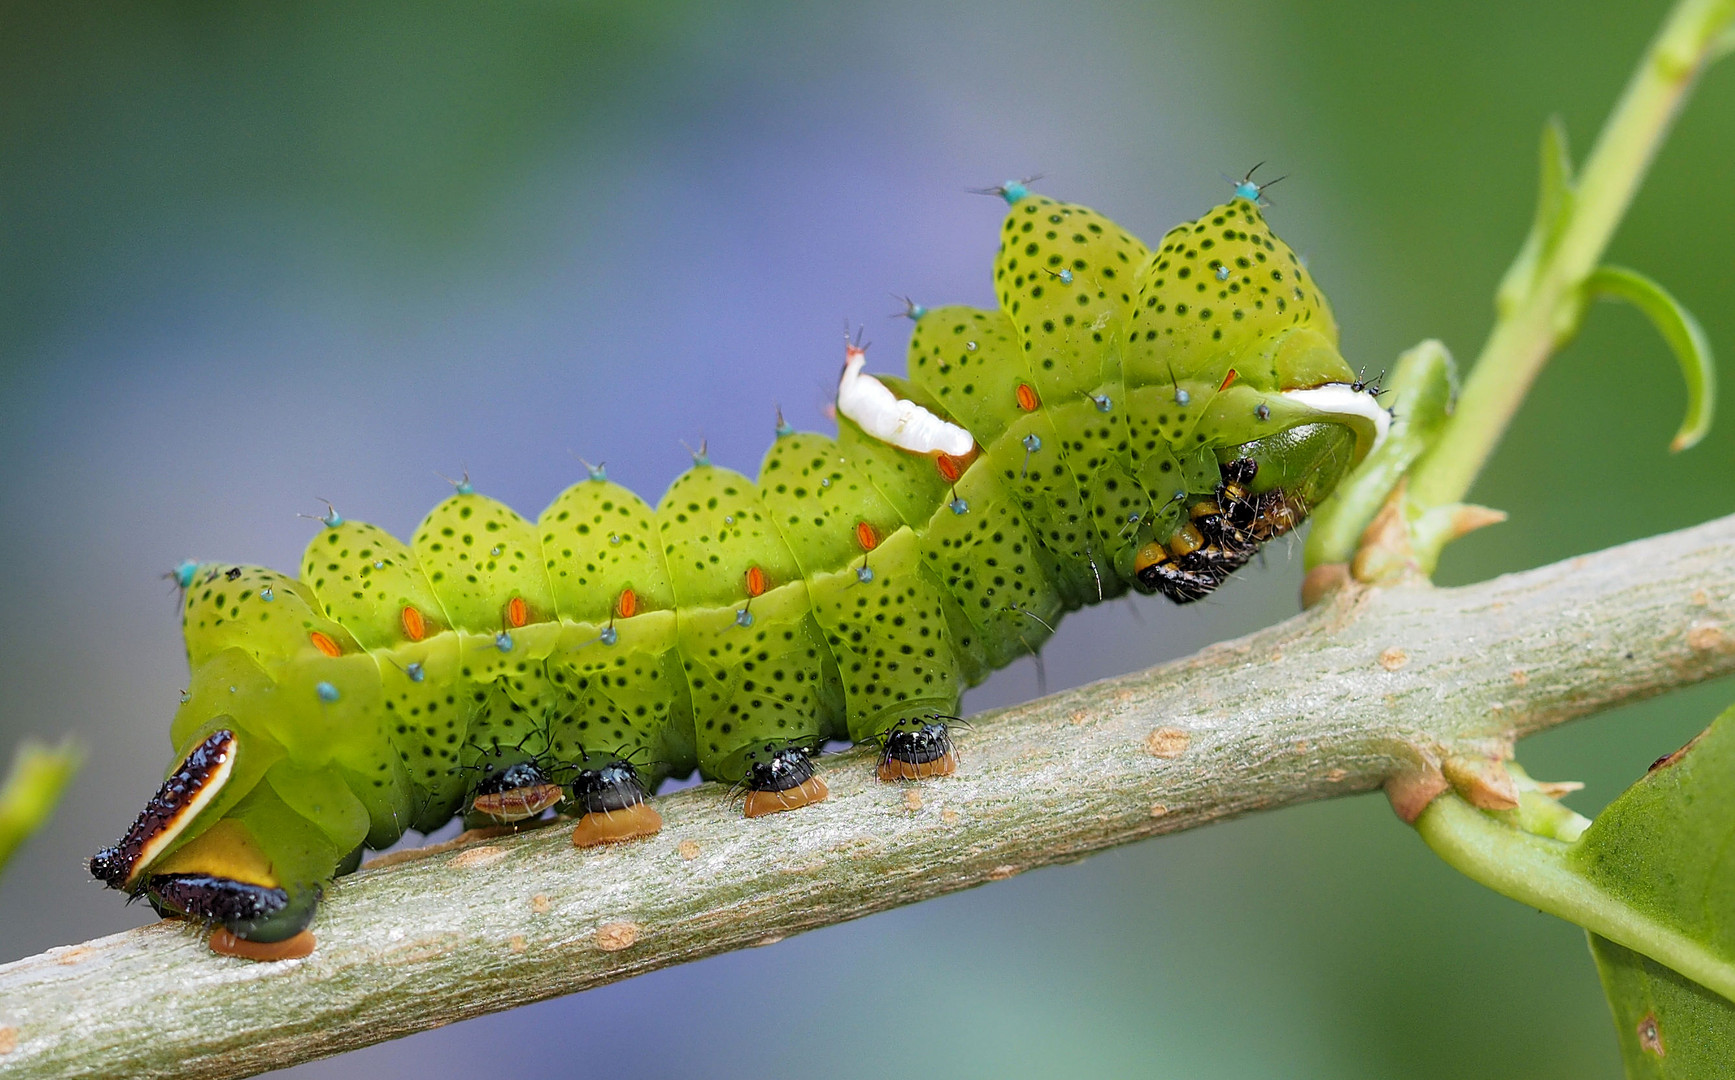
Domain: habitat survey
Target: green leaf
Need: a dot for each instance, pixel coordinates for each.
(39, 776)
(1655, 872)
(1682, 333)
(1723, 45)
(1670, 1027)
(1667, 847)
(1554, 199)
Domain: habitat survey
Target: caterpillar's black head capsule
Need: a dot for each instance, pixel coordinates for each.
(110, 867)
(516, 793)
(917, 747)
(612, 799)
(781, 777)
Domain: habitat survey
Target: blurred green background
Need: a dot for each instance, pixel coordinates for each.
(256, 255)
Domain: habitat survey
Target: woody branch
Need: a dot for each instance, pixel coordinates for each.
(1372, 685)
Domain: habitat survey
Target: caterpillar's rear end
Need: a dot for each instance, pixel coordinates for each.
(1125, 419)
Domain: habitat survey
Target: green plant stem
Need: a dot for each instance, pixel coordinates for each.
(1533, 870)
(1523, 338)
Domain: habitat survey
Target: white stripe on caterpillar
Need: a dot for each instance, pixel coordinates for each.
(1343, 400)
(890, 419)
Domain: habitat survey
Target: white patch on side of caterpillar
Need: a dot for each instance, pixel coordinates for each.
(1341, 399)
(888, 418)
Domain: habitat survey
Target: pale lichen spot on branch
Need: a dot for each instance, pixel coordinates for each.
(615, 936)
(1167, 742)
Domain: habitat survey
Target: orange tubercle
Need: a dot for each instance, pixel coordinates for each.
(415, 627)
(292, 948)
(866, 535)
(1227, 379)
(1027, 399)
(755, 581)
(952, 466)
(616, 826)
(626, 605)
(517, 611)
(324, 644)
(811, 790)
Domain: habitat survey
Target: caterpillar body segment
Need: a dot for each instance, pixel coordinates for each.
(1126, 419)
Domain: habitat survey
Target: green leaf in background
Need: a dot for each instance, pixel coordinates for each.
(1654, 873)
(1685, 338)
(1667, 847)
(1554, 201)
(39, 776)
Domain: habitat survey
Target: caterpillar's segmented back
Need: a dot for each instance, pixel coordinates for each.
(1124, 419)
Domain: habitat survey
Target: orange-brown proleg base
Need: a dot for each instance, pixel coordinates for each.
(517, 804)
(615, 826)
(290, 948)
(892, 769)
(811, 790)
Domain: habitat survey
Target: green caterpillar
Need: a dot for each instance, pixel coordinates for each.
(1126, 419)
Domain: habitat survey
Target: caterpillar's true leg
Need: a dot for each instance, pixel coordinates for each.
(917, 747)
(615, 806)
(1187, 568)
(781, 778)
